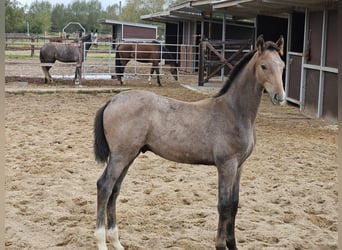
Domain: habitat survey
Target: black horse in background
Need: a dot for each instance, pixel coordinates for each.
(67, 53)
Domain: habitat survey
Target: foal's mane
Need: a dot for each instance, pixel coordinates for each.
(241, 63)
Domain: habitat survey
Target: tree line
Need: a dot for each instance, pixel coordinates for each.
(41, 16)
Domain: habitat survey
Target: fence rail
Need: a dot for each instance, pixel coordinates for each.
(21, 42)
(101, 60)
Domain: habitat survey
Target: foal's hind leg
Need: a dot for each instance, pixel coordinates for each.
(229, 179)
(113, 231)
(108, 187)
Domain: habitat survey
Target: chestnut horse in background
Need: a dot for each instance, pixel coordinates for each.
(151, 52)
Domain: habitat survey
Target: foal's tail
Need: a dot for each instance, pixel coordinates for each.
(101, 148)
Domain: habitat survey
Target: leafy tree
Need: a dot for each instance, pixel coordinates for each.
(136, 8)
(15, 19)
(86, 13)
(40, 16)
(59, 14)
(94, 14)
(174, 2)
(111, 12)
(153, 6)
(132, 11)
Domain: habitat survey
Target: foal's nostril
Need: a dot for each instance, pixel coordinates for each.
(276, 97)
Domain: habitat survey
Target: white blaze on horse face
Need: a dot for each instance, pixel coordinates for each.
(113, 236)
(94, 37)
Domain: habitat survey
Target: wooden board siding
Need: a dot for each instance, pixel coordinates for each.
(326, 106)
(312, 90)
(295, 56)
(331, 53)
(330, 96)
(134, 32)
(294, 77)
(186, 53)
(315, 37)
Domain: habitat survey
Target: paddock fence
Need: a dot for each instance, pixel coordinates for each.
(31, 42)
(99, 61)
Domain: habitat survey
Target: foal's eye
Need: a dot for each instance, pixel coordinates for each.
(263, 66)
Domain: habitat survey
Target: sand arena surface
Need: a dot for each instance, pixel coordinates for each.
(288, 190)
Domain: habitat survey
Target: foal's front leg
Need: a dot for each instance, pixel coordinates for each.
(229, 179)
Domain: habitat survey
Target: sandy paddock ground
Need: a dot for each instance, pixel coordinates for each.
(288, 192)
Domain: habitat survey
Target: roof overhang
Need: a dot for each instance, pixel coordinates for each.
(237, 9)
(271, 7)
(116, 22)
(172, 16)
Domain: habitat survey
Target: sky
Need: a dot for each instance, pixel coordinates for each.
(104, 3)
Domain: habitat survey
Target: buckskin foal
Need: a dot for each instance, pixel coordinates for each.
(217, 131)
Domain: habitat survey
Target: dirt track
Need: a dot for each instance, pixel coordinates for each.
(288, 197)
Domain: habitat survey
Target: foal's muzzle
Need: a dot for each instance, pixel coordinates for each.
(278, 98)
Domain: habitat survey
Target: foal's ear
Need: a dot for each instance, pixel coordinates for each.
(260, 43)
(280, 44)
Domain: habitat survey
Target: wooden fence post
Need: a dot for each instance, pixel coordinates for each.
(79, 64)
(202, 49)
(32, 46)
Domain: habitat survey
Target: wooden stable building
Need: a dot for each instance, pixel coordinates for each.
(308, 26)
(125, 31)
